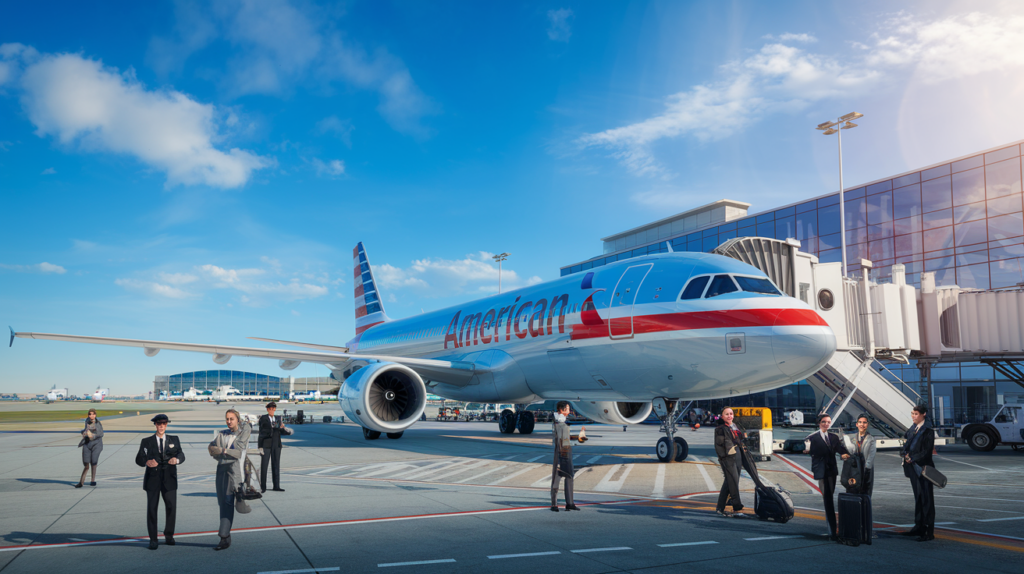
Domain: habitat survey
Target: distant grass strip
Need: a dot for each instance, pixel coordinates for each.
(48, 416)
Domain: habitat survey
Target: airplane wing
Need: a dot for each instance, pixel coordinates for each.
(307, 345)
(451, 372)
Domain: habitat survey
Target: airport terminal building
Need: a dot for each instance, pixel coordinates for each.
(249, 384)
(961, 219)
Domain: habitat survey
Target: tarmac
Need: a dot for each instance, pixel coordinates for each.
(459, 496)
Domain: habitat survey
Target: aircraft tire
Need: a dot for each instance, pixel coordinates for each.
(370, 434)
(666, 450)
(682, 449)
(507, 422)
(396, 435)
(526, 422)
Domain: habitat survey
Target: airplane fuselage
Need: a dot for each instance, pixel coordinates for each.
(619, 332)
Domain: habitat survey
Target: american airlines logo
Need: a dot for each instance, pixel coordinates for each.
(529, 319)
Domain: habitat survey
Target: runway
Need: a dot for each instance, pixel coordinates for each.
(462, 497)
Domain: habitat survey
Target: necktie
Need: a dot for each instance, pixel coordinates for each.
(161, 446)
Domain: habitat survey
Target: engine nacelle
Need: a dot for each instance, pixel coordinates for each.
(614, 413)
(384, 397)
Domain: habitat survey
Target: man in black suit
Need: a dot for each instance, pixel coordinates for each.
(823, 449)
(917, 454)
(269, 442)
(160, 454)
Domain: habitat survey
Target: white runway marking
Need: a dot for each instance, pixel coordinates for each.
(999, 519)
(592, 460)
(429, 469)
(978, 509)
(659, 482)
(477, 464)
(546, 480)
(611, 549)
(510, 457)
(485, 473)
(326, 470)
(332, 569)
(707, 477)
(528, 554)
(387, 468)
(966, 463)
(774, 537)
(609, 485)
(687, 544)
(536, 458)
(417, 563)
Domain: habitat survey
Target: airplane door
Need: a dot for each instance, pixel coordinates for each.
(620, 309)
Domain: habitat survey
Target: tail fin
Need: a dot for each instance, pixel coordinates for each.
(369, 307)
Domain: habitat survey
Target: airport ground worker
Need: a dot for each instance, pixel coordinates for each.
(269, 443)
(160, 454)
(562, 464)
(228, 449)
(823, 449)
(729, 448)
(917, 455)
(92, 446)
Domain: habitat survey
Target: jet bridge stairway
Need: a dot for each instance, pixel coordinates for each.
(849, 378)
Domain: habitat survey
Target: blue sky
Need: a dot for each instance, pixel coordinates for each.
(200, 171)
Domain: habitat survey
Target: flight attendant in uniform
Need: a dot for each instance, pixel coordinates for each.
(562, 465)
(269, 443)
(160, 454)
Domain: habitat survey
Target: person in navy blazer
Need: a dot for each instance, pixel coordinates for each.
(823, 449)
(917, 452)
(160, 454)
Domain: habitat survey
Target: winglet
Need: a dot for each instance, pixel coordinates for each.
(11, 344)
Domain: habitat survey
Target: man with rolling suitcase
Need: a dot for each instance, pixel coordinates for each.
(823, 449)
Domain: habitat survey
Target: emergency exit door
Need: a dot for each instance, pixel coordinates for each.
(620, 310)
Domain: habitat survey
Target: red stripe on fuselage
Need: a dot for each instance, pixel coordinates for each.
(359, 330)
(734, 319)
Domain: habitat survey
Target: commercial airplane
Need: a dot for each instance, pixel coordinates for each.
(100, 395)
(617, 341)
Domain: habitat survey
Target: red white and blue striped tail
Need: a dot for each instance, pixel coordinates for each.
(369, 306)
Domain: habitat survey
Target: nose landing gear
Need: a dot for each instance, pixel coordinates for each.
(670, 448)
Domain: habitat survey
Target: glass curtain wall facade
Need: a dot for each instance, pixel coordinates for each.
(205, 382)
(960, 219)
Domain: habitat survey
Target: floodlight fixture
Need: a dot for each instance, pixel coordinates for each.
(829, 132)
(848, 125)
(499, 258)
(851, 116)
(829, 128)
(826, 125)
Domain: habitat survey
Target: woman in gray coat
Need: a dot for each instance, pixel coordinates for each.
(228, 449)
(92, 446)
(863, 443)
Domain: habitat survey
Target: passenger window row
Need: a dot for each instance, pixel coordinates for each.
(722, 284)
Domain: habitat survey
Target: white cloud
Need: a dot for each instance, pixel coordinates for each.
(153, 288)
(332, 168)
(559, 28)
(48, 171)
(295, 313)
(177, 278)
(790, 37)
(436, 277)
(43, 267)
(781, 78)
(78, 100)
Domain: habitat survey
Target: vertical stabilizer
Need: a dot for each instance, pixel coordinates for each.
(369, 307)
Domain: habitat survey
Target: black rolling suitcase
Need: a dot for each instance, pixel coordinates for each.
(770, 503)
(855, 521)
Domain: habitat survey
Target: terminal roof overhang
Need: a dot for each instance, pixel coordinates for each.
(702, 209)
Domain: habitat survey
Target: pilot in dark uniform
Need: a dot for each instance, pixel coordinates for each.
(269, 441)
(160, 454)
(824, 447)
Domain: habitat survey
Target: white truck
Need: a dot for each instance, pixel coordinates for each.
(1007, 427)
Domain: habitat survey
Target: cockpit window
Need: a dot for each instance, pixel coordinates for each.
(757, 285)
(695, 289)
(721, 285)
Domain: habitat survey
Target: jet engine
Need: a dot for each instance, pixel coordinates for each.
(384, 397)
(614, 413)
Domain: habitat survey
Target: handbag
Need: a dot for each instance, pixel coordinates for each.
(931, 475)
(245, 491)
(853, 474)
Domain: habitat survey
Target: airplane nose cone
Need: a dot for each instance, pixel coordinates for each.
(802, 342)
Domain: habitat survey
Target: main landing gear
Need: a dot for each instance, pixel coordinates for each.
(521, 419)
(670, 448)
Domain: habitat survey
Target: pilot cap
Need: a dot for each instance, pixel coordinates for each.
(271, 405)
(160, 419)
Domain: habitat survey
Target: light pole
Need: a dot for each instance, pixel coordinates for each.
(499, 258)
(829, 128)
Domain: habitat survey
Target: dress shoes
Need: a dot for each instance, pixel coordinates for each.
(571, 507)
(912, 532)
(224, 543)
(263, 491)
(93, 483)
(169, 540)
(278, 490)
(925, 537)
(554, 509)
(79, 485)
(153, 545)
(724, 513)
